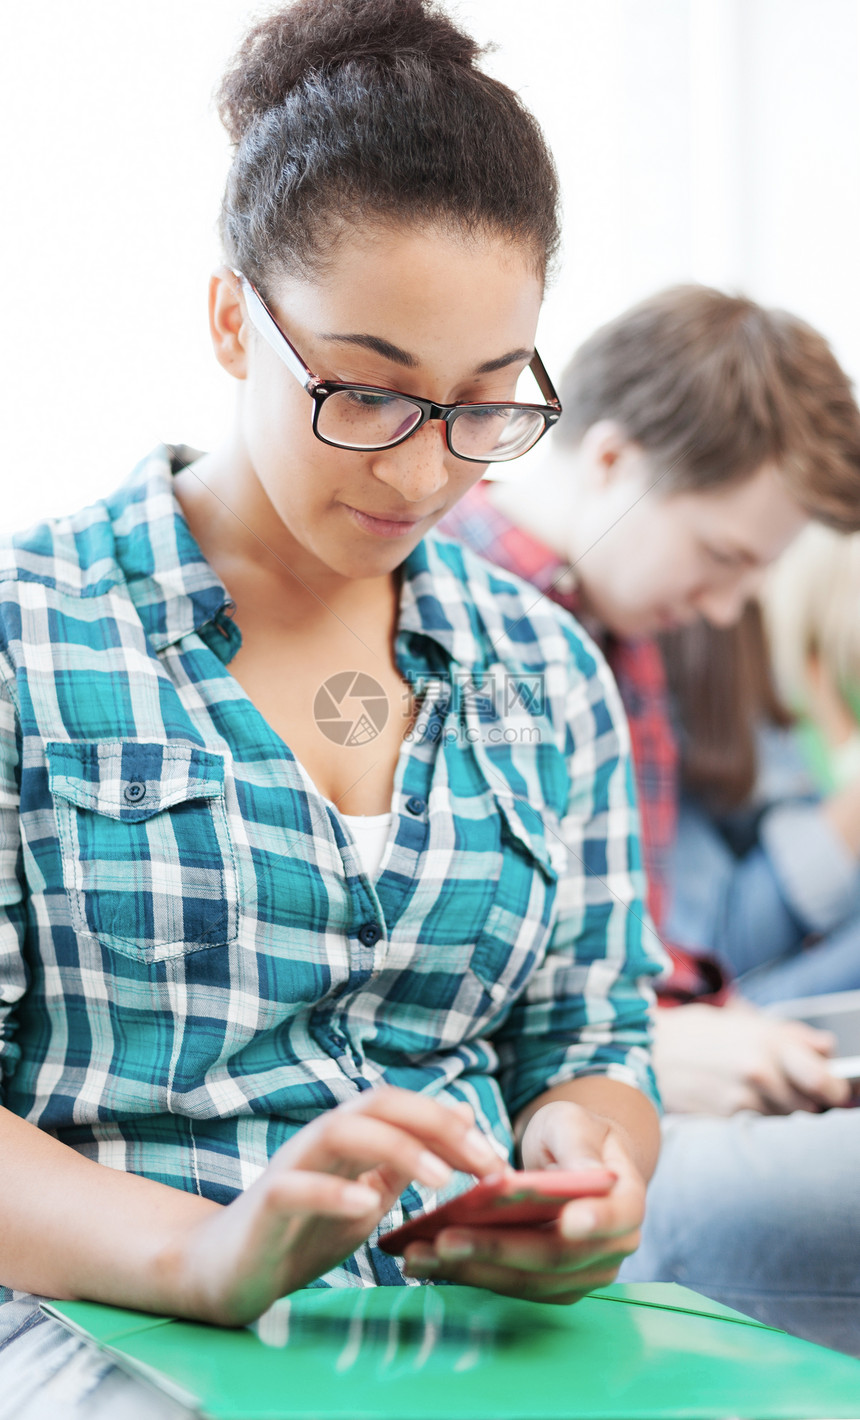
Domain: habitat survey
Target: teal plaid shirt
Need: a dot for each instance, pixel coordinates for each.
(193, 962)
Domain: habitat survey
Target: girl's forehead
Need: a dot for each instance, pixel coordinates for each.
(419, 289)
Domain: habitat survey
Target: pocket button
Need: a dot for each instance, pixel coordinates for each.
(134, 792)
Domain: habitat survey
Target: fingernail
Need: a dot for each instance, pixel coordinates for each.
(464, 1110)
(431, 1170)
(577, 1222)
(358, 1198)
(478, 1150)
(455, 1246)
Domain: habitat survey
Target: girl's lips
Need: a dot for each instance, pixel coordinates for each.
(382, 527)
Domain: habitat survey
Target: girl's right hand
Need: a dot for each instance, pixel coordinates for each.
(321, 1196)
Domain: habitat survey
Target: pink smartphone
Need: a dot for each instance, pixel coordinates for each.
(503, 1200)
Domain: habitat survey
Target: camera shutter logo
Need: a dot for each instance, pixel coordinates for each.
(351, 708)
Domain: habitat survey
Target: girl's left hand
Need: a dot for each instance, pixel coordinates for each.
(586, 1246)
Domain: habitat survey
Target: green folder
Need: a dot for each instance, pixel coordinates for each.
(456, 1353)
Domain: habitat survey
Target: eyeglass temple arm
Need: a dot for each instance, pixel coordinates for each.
(544, 383)
(265, 323)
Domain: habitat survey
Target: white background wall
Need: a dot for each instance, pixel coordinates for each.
(714, 140)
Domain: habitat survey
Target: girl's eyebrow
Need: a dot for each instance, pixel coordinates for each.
(513, 357)
(379, 347)
(388, 351)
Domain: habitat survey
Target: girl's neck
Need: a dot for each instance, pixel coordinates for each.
(245, 542)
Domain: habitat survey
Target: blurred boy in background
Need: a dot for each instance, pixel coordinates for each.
(700, 435)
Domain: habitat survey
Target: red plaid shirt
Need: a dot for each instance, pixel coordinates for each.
(638, 670)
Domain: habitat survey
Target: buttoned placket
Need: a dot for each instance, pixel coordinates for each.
(378, 903)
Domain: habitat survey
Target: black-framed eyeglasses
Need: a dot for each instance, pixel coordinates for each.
(366, 418)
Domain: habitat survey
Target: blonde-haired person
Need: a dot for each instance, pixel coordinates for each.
(765, 871)
(811, 601)
(785, 911)
(701, 433)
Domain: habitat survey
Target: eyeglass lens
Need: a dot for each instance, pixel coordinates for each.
(360, 420)
(366, 421)
(500, 433)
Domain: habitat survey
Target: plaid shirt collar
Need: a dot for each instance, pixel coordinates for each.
(173, 588)
(176, 592)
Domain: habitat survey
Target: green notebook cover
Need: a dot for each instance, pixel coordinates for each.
(456, 1353)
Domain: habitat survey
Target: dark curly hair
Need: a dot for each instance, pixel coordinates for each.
(348, 112)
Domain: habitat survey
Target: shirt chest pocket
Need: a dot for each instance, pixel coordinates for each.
(146, 854)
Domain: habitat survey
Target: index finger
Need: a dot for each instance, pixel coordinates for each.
(811, 1074)
(450, 1133)
(821, 1041)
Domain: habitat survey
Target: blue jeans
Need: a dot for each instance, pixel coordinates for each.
(47, 1371)
(741, 911)
(831, 964)
(761, 1213)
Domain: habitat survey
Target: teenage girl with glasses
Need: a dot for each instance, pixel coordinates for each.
(320, 872)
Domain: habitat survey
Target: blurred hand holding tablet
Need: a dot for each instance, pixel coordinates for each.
(837, 1012)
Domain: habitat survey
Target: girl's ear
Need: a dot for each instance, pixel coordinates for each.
(227, 324)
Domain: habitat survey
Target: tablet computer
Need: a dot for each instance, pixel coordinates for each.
(837, 1012)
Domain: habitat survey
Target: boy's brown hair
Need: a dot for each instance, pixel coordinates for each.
(714, 386)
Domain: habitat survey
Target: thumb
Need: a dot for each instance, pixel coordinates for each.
(572, 1138)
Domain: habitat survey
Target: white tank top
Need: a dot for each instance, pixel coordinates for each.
(370, 832)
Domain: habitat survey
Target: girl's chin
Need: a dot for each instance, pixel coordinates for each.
(360, 564)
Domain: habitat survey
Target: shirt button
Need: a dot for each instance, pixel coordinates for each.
(369, 934)
(416, 805)
(134, 792)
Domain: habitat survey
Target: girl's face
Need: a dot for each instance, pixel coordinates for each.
(425, 313)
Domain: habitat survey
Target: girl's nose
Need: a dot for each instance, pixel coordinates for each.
(418, 468)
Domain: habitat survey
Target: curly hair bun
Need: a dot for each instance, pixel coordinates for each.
(346, 112)
(311, 37)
